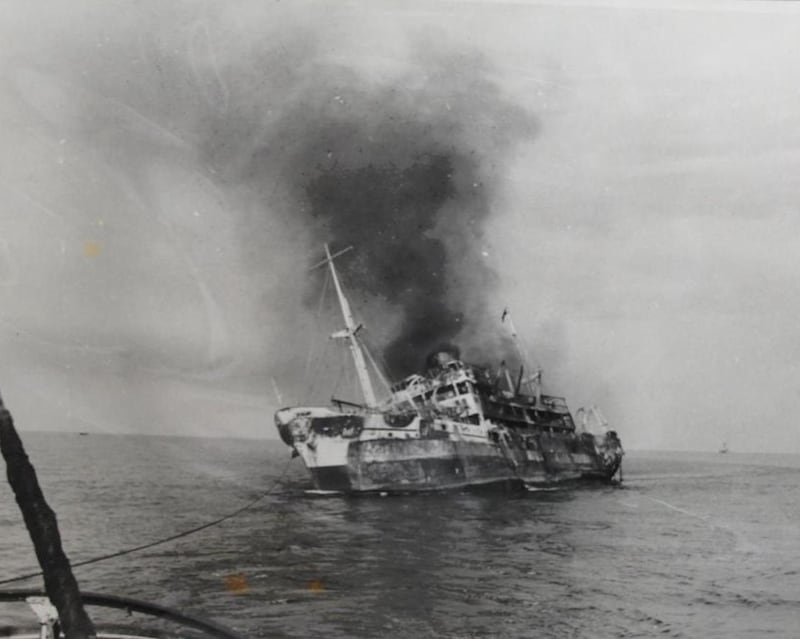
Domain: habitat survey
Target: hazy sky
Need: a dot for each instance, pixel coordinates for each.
(642, 222)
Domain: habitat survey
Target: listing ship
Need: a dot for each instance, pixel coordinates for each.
(456, 425)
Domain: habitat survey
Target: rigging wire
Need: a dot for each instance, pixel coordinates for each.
(313, 346)
(343, 368)
(321, 372)
(349, 373)
(378, 365)
(347, 376)
(377, 360)
(319, 356)
(378, 372)
(158, 542)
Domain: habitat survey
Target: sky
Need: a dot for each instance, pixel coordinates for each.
(628, 172)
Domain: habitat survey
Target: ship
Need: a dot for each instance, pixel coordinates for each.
(453, 425)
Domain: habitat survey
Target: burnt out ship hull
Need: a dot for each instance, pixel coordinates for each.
(352, 454)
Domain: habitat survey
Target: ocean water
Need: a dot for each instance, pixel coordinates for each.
(693, 545)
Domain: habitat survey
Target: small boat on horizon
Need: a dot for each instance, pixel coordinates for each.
(724, 448)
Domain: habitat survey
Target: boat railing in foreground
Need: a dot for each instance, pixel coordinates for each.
(47, 616)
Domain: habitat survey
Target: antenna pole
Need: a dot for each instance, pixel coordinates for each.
(512, 329)
(277, 391)
(350, 333)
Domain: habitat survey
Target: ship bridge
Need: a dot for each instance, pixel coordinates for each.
(448, 390)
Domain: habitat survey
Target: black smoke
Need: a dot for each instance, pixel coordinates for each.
(405, 163)
(408, 175)
(389, 213)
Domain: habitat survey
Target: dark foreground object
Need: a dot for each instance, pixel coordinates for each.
(129, 605)
(59, 582)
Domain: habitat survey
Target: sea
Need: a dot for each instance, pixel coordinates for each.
(690, 545)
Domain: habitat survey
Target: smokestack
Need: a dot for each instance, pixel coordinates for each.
(444, 354)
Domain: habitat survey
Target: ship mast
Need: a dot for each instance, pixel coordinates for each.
(350, 333)
(537, 377)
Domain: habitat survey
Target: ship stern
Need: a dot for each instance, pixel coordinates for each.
(608, 453)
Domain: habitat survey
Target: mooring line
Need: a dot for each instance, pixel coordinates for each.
(165, 540)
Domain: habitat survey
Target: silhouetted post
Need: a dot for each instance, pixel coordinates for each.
(59, 582)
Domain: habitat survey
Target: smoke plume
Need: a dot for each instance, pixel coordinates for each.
(302, 145)
(405, 173)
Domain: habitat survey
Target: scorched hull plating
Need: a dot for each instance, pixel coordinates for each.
(405, 462)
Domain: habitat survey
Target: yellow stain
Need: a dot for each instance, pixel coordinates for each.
(236, 584)
(91, 249)
(315, 585)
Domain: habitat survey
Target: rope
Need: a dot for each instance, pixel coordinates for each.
(165, 540)
(377, 361)
(342, 375)
(308, 379)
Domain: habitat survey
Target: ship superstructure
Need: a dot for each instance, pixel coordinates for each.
(455, 425)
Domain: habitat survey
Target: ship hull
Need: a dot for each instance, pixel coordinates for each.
(435, 472)
(396, 461)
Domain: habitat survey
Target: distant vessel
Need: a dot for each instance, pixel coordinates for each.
(724, 448)
(455, 425)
